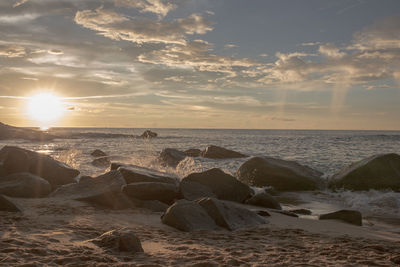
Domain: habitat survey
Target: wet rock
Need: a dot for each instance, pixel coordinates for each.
(216, 152)
(98, 153)
(136, 174)
(223, 185)
(263, 213)
(301, 211)
(123, 240)
(264, 200)
(349, 216)
(229, 215)
(188, 216)
(7, 205)
(24, 185)
(281, 174)
(286, 212)
(163, 192)
(55, 172)
(376, 172)
(148, 134)
(101, 162)
(171, 157)
(193, 190)
(193, 152)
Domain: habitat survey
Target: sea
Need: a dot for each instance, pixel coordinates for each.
(325, 150)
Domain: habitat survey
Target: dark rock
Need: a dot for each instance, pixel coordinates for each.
(101, 162)
(171, 157)
(376, 172)
(24, 185)
(85, 179)
(301, 211)
(104, 190)
(286, 212)
(263, 213)
(148, 134)
(136, 174)
(163, 192)
(223, 185)
(55, 172)
(119, 240)
(349, 216)
(115, 165)
(216, 152)
(11, 132)
(281, 174)
(264, 200)
(193, 152)
(229, 215)
(188, 216)
(7, 205)
(193, 190)
(98, 153)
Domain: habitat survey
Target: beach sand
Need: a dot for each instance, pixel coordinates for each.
(54, 232)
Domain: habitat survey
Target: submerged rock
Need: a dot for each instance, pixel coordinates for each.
(171, 157)
(15, 159)
(7, 205)
(98, 153)
(229, 215)
(264, 200)
(216, 152)
(148, 134)
(24, 185)
(119, 240)
(193, 152)
(301, 211)
(136, 174)
(281, 174)
(188, 216)
(223, 185)
(376, 172)
(163, 192)
(349, 216)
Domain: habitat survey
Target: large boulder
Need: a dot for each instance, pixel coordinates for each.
(24, 185)
(171, 157)
(349, 216)
(281, 174)
(216, 152)
(229, 215)
(98, 153)
(193, 190)
(17, 159)
(376, 172)
(104, 190)
(7, 205)
(148, 134)
(123, 240)
(163, 192)
(264, 200)
(136, 174)
(188, 216)
(193, 152)
(223, 185)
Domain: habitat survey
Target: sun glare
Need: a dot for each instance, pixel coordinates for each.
(45, 108)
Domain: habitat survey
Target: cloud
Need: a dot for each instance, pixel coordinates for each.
(330, 50)
(55, 51)
(159, 7)
(311, 44)
(227, 46)
(141, 30)
(12, 51)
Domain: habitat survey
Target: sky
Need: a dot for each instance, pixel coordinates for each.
(248, 64)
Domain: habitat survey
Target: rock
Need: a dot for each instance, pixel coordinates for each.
(286, 212)
(188, 216)
(7, 205)
(85, 179)
(349, 216)
(171, 157)
(193, 190)
(101, 162)
(98, 153)
(264, 200)
(104, 190)
(229, 215)
(301, 211)
(55, 172)
(163, 192)
(11, 132)
(263, 213)
(223, 185)
(216, 152)
(148, 134)
(115, 165)
(193, 152)
(281, 174)
(376, 172)
(136, 174)
(24, 185)
(119, 240)
(153, 205)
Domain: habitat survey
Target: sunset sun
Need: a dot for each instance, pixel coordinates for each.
(45, 108)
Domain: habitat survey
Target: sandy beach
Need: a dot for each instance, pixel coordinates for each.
(52, 232)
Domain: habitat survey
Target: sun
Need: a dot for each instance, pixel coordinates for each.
(45, 108)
